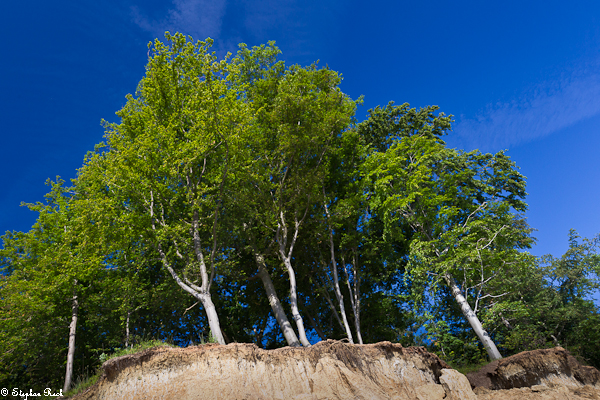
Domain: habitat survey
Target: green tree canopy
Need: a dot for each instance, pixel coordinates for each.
(248, 187)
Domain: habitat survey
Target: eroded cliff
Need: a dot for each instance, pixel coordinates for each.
(332, 370)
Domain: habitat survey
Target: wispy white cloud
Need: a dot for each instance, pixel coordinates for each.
(550, 107)
(198, 18)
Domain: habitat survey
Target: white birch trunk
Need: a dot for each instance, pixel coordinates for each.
(213, 317)
(487, 342)
(354, 297)
(127, 330)
(281, 237)
(201, 293)
(294, 303)
(356, 303)
(282, 320)
(336, 284)
(71, 352)
(204, 297)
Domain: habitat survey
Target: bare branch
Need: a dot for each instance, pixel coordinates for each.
(493, 238)
(189, 308)
(479, 208)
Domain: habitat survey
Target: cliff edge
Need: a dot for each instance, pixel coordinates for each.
(327, 370)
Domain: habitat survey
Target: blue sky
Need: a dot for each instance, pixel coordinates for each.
(517, 75)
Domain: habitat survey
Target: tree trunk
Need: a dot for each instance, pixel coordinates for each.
(354, 296)
(356, 302)
(198, 293)
(340, 299)
(201, 293)
(282, 320)
(281, 237)
(127, 329)
(483, 336)
(336, 282)
(71, 352)
(294, 303)
(213, 317)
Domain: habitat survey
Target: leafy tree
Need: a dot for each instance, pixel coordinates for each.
(458, 206)
(170, 158)
(552, 304)
(47, 269)
(33, 316)
(299, 114)
(242, 176)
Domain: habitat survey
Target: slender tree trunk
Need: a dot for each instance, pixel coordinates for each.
(340, 297)
(71, 352)
(201, 293)
(198, 293)
(356, 304)
(336, 282)
(282, 320)
(294, 303)
(127, 329)
(354, 296)
(487, 342)
(281, 237)
(213, 317)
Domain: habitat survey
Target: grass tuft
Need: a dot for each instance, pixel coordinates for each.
(466, 368)
(147, 344)
(82, 384)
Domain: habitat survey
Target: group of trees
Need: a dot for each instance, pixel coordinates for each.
(240, 199)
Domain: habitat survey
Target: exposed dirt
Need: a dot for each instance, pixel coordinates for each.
(539, 374)
(334, 370)
(538, 367)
